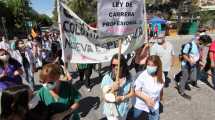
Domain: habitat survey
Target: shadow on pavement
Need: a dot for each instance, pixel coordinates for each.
(203, 76)
(87, 104)
(161, 108)
(104, 118)
(78, 84)
(94, 81)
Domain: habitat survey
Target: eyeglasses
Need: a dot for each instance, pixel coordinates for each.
(114, 65)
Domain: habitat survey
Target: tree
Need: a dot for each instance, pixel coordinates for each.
(85, 9)
(44, 20)
(18, 13)
(55, 15)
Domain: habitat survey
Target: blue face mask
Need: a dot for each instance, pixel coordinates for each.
(51, 85)
(151, 69)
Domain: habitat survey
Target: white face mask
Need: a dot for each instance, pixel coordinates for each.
(160, 40)
(4, 58)
(4, 39)
(50, 86)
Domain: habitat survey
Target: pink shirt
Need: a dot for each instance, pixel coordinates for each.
(212, 49)
(156, 28)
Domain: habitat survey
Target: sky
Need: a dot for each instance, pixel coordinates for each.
(43, 6)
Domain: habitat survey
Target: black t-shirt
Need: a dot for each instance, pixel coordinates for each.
(25, 62)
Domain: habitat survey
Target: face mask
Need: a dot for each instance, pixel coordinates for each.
(4, 58)
(151, 69)
(51, 85)
(160, 41)
(4, 39)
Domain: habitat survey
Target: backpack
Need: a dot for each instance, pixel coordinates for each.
(182, 49)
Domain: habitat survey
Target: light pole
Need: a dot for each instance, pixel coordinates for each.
(3, 24)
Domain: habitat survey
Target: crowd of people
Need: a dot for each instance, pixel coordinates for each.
(130, 97)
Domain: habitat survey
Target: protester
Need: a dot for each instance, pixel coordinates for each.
(156, 30)
(150, 31)
(117, 109)
(46, 43)
(204, 61)
(26, 58)
(60, 96)
(12, 45)
(140, 58)
(55, 56)
(190, 57)
(205, 42)
(14, 102)
(10, 70)
(165, 51)
(85, 70)
(36, 49)
(19, 103)
(212, 61)
(149, 91)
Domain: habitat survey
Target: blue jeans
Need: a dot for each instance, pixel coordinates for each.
(136, 114)
(213, 76)
(154, 115)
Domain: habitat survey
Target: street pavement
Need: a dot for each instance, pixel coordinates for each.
(175, 107)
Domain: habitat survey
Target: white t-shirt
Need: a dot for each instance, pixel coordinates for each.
(149, 86)
(165, 54)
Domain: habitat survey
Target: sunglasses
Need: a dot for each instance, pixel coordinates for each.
(115, 65)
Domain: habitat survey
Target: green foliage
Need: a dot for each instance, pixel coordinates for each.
(55, 15)
(44, 20)
(206, 16)
(17, 13)
(85, 9)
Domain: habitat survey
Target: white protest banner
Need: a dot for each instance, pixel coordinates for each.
(119, 17)
(81, 42)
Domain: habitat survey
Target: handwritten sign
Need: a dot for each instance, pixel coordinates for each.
(119, 17)
(82, 42)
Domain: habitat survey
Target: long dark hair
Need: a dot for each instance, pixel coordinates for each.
(123, 64)
(17, 43)
(156, 60)
(14, 101)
